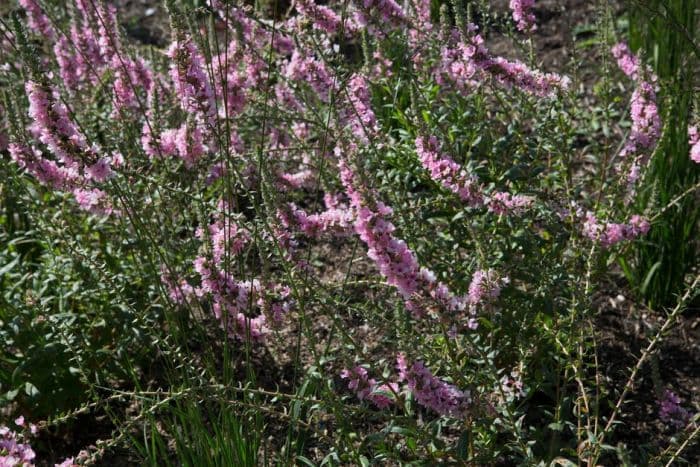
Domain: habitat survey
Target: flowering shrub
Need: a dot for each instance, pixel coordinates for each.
(365, 166)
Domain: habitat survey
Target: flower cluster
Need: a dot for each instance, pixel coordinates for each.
(512, 386)
(245, 308)
(382, 396)
(444, 170)
(307, 69)
(504, 203)
(360, 117)
(447, 172)
(431, 392)
(130, 75)
(609, 233)
(37, 19)
(79, 166)
(466, 63)
(646, 123)
(626, 60)
(336, 219)
(377, 15)
(670, 410)
(321, 16)
(13, 451)
(191, 83)
(523, 16)
(395, 260)
(485, 287)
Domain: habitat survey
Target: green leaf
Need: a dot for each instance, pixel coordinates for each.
(649, 276)
(463, 446)
(306, 461)
(8, 267)
(30, 389)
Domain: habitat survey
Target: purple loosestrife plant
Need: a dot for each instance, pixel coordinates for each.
(339, 183)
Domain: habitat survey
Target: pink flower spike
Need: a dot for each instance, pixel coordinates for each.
(367, 389)
(444, 170)
(628, 62)
(523, 16)
(485, 287)
(37, 19)
(431, 392)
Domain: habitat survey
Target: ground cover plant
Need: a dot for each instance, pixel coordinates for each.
(347, 233)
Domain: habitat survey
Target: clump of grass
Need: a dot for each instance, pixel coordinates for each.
(667, 32)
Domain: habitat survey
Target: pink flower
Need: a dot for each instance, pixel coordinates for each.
(337, 220)
(358, 381)
(243, 307)
(130, 76)
(638, 226)
(395, 260)
(484, 287)
(99, 171)
(93, 200)
(68, 65)
(512, 385)
(47, 172)
(504, 203)
(360, 116)
(644, 112)
(523, 16)
(465, 64)
(431, 392)
(608, 234)
(444, 170)
(14, 452)
(323, 17)
(386, 13)
(628, 63)
(191, 83)
(646, 124)
(307, 69)
(37, 19)
(694, 142)
(367, 389)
